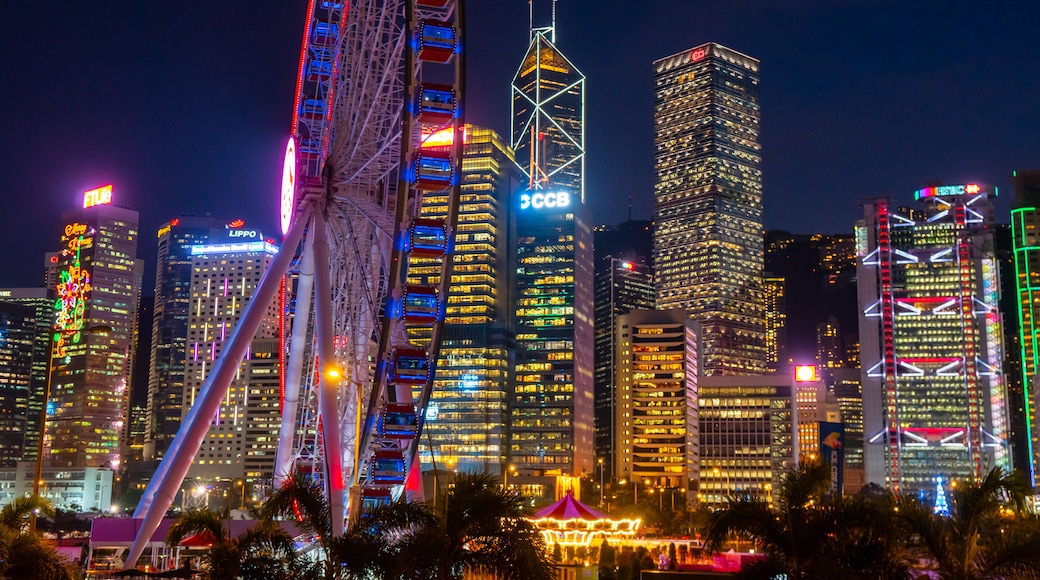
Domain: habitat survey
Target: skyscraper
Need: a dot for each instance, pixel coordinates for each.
(41, 300)
(225, 273)
(1025, 243)
(173, 277)
(17, 332)
(466, 415)
(621, 285)
(551, 406)
(98, 288)
(708, 240)
(657, 436)
(934, 400)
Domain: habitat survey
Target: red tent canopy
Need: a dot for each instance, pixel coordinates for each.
(569, 508)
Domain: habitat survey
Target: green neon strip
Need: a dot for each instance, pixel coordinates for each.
(1025, 292)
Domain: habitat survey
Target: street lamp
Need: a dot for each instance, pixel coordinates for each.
(241, 483)
(601, 482)
(510, 469)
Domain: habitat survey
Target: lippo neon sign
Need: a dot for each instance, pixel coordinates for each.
(99, 196)
(546, 199)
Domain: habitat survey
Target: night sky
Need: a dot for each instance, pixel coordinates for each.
(185, 106)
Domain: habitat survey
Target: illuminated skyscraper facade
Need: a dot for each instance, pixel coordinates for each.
(41, 301)
(551, 414)
(748, 433)
(466, 416)
(657, 436)
(934, 399)
(548, 130)
(1025, 243)
(242, 439)
(17, 332)
(776, 321)
(173, 277)
(621, 285)
(551, 405)
(708, 254)
(98, 289)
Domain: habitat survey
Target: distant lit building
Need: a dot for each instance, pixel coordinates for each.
(17, 332)
(845, 384)
(934, 399)
(749, 435)
(173, 280)
(816, 404)
(466, 416)
(78, 489)
(829, 350)
(837, 258)
(98, 289)
(621, 285)
(776, 322)
(41, 301)
(708, 239)
(657, 435)
(1025, 243)
(241, 441)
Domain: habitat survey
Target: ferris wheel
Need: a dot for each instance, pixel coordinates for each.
(368, 207)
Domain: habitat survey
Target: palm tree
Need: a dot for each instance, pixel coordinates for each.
(979, 540)
(23, 553)
(478, 526)
(364, 549)
(264, 551)
(223, 558)
(808, 535)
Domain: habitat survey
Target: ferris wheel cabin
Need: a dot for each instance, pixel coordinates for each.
(435, 104)
(427, 237)
(409, 367)
(398, 422)
(434, 171)
(436, 41)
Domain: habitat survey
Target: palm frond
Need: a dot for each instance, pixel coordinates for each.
(192, 522)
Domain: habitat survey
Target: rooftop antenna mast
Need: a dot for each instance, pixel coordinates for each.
(551, 29)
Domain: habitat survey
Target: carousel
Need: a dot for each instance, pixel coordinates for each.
(569, 522)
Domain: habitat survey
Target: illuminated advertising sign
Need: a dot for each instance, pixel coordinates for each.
(441, 138)
(947, 190)
(288, 185)
(832, 452)
(249, 234)
(99, 196)
(230, 248)
(544, 199)
(698, 54)
(72, 289)
(805, 374)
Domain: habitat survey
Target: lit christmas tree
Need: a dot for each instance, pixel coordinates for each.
(941, 507)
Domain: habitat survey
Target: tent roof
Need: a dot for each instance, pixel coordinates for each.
(569, 508)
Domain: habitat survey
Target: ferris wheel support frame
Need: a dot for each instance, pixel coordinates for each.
(294, 368)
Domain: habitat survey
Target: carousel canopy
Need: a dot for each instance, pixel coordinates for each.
(569, 508)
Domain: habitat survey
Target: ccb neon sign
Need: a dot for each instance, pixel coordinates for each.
(542, 200)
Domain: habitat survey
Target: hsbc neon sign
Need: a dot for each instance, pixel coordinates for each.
(545, 200)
